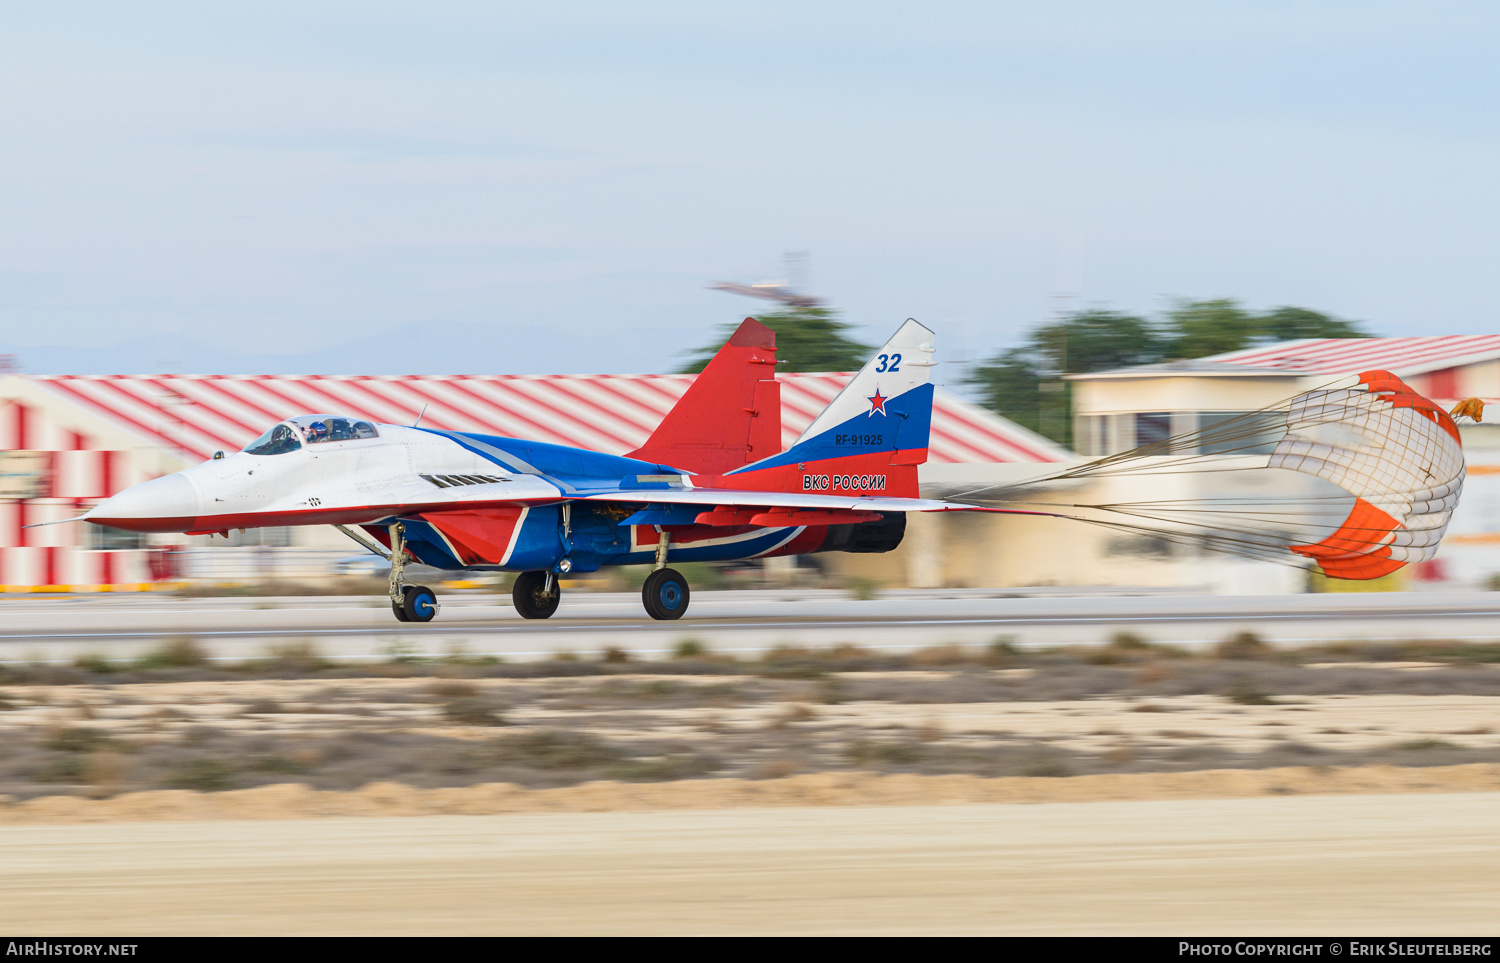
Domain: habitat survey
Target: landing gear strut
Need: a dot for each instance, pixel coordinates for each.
(665, 593)
(409, 603)
(536, 594)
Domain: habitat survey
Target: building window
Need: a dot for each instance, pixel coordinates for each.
(1088, 435)
(1152, 427)
(1239, 432)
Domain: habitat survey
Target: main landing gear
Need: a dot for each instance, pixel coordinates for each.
(536, 594)
(665, 593)
(410, 603)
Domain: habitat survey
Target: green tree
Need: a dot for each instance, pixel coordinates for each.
(1024, 384)
(1093, 341)
(1292, 324)
(807, 339)
(1009, 384)
(1196, 329)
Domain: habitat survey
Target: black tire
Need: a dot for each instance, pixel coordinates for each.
(531, 597)
(399, 612)
(665, 595)
(419, 603)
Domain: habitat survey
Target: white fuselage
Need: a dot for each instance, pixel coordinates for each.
(332, 482)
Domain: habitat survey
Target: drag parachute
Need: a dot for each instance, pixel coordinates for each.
(1360, 476)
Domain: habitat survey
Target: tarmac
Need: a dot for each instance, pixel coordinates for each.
(62, 628)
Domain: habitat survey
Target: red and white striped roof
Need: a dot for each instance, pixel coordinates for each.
(1404, 356)
(198, 414)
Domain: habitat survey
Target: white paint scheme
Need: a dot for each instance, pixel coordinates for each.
(385, 472)
(914, 344)
(374, 472)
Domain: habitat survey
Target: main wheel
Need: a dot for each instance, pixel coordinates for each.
(532, 599)
(418, 603)
(399, 611)
(665, 594)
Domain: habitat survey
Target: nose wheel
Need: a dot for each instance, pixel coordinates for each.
(409, 603)
(418, 604)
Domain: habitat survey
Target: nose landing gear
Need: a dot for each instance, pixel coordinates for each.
(409, 603)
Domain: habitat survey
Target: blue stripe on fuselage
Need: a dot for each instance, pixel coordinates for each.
(577, 471)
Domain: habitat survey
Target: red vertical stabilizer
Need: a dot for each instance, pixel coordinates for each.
(731, 415)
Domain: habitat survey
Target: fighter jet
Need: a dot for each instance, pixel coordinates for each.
(710, 484)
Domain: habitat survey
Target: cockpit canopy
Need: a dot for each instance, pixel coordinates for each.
(293, 433)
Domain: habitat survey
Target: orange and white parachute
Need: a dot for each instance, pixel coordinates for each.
(1360, 476)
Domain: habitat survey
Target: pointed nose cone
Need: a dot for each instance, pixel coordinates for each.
(165, 504)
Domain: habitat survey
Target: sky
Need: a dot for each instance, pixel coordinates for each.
(442, 187)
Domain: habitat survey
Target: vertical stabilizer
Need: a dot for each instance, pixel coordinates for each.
(871, 437)
(730, 415)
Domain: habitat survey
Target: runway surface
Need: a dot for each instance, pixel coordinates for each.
(747, 622)
(1332, 865)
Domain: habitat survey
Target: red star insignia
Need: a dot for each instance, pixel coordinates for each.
(877, 403)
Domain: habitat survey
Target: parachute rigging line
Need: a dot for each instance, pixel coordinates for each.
(1359, 477)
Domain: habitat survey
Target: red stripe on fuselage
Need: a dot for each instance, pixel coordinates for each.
(899, 480)
(356, 515)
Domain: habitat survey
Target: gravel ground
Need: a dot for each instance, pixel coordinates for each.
(173, 721)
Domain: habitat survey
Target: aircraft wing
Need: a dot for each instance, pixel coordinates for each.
(709, 497)
(473, 496)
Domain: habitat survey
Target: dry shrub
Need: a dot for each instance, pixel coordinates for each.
(264, 707)
(794, 662)
(76, 739)
(689, 649)
(1153, 673)
(95, 663)
(866, 751)
(178, 652)
(1243, 647)
(202, 774)
(297, 656)
(453, 689)
(680, 765)
(472, 712)
(940, 655)
(555, 749)
(797, 712)
(1426, 745)
(1002, 651)
(615, 656)
(775, 769)
(1247, 693)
